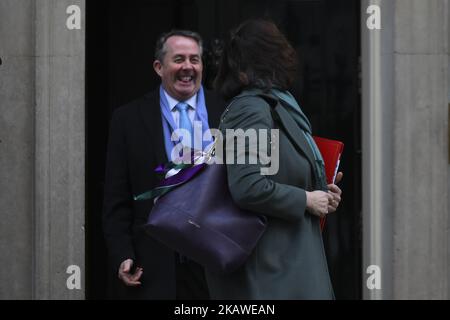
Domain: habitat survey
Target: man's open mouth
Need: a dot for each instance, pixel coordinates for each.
(186, 79)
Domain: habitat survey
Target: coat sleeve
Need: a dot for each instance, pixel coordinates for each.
(249, 189)
(117, 206)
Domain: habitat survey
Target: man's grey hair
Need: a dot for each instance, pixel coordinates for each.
(161, 50)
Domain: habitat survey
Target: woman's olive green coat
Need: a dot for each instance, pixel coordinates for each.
(289, 260)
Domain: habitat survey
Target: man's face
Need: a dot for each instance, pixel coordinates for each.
(181, 69)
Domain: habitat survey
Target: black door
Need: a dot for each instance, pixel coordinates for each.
(120, 44)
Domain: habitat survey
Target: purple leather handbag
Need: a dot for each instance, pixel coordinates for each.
(199, 220)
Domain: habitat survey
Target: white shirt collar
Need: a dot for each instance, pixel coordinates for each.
(192, 101)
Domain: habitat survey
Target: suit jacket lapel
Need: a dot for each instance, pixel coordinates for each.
(151, 115)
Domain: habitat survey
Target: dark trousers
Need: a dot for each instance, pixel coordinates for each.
(190, 280)
(190, 284)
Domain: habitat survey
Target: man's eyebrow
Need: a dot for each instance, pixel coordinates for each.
(179, 55)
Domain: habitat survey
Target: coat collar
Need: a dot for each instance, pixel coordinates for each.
(282, 117)
(151, 115)
(295, 134)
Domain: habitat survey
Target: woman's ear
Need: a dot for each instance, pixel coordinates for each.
(243, 78)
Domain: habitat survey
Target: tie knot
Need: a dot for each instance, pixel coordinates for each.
(182, 106)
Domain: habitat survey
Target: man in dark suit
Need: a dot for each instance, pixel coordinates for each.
(139, 140)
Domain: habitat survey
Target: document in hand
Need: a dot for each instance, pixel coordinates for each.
(331, 151)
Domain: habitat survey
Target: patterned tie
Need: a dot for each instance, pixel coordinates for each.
(185, 122)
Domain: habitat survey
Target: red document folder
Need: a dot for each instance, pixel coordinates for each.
(331, 151)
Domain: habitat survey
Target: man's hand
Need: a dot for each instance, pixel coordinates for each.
(335, 193)
(130, 279)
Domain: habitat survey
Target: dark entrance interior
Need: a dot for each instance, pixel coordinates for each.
(120, 44)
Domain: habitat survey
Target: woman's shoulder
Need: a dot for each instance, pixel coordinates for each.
(249, 100)
(247, 106)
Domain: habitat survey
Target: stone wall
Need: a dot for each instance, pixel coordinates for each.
(42, 149)
(405, 109)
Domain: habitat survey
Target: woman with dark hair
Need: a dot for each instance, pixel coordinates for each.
(258, 66)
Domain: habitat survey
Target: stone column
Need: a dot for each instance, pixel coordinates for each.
(42, 149)
(377, 145)
(420, 154)
(16, 147)
(448, 137)
(59, 205)
(414, 247)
